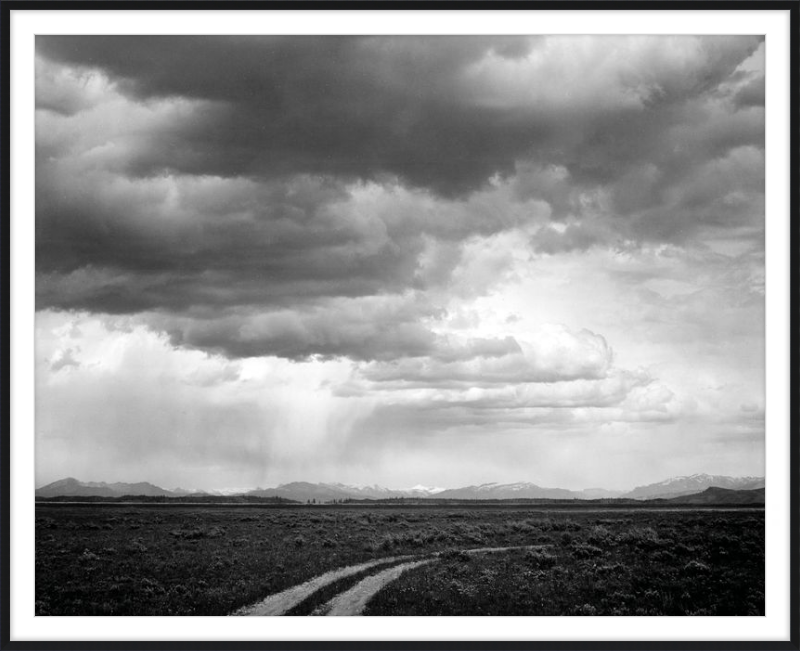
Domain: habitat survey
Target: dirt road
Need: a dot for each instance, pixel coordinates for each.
(282, 602)
(354, 600)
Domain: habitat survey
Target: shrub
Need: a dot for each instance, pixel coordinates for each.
(695, 567)
(136, 546)
(583, 550)
(540, 558)
(644, 537)
(599, 535)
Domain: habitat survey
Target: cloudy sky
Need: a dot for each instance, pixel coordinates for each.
(408, 260)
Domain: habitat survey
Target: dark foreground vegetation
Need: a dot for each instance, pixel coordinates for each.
(195, 560)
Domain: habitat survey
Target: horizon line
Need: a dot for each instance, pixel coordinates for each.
(419, 486)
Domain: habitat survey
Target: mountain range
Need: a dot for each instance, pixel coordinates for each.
(675, 487)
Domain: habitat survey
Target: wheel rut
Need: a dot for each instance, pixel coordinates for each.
(354, 600)
(282, 602)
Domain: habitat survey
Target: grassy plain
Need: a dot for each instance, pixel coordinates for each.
(202, 560)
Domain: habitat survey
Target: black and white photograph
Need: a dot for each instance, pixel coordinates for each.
(400, 325)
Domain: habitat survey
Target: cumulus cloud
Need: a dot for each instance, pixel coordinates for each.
(363, 328)
(444, 113)
(336, 105)
(553, 354)
(359, 167)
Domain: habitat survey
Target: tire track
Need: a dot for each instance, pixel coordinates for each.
(354, 600)
(281, 602)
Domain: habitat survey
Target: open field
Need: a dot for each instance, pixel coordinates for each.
(195, 560)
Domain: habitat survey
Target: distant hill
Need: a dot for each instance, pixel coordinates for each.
(692, 484)
(303, 492)
(714, 495)
(71, 487)
(519, 490)
(599, 493)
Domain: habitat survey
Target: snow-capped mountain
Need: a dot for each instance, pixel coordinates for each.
(365, 492)
(422, 491)
(495, 491)
(688, 485)
(328, 492)
(306, 491)
(225, 492)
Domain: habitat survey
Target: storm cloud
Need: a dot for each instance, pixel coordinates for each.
(474, 232)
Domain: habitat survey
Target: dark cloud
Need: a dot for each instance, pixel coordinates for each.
(356, 107)
(305, 196)
(173, 244)
(367, 328)
(421, 108)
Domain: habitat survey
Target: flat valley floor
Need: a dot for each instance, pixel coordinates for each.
(136, 559)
